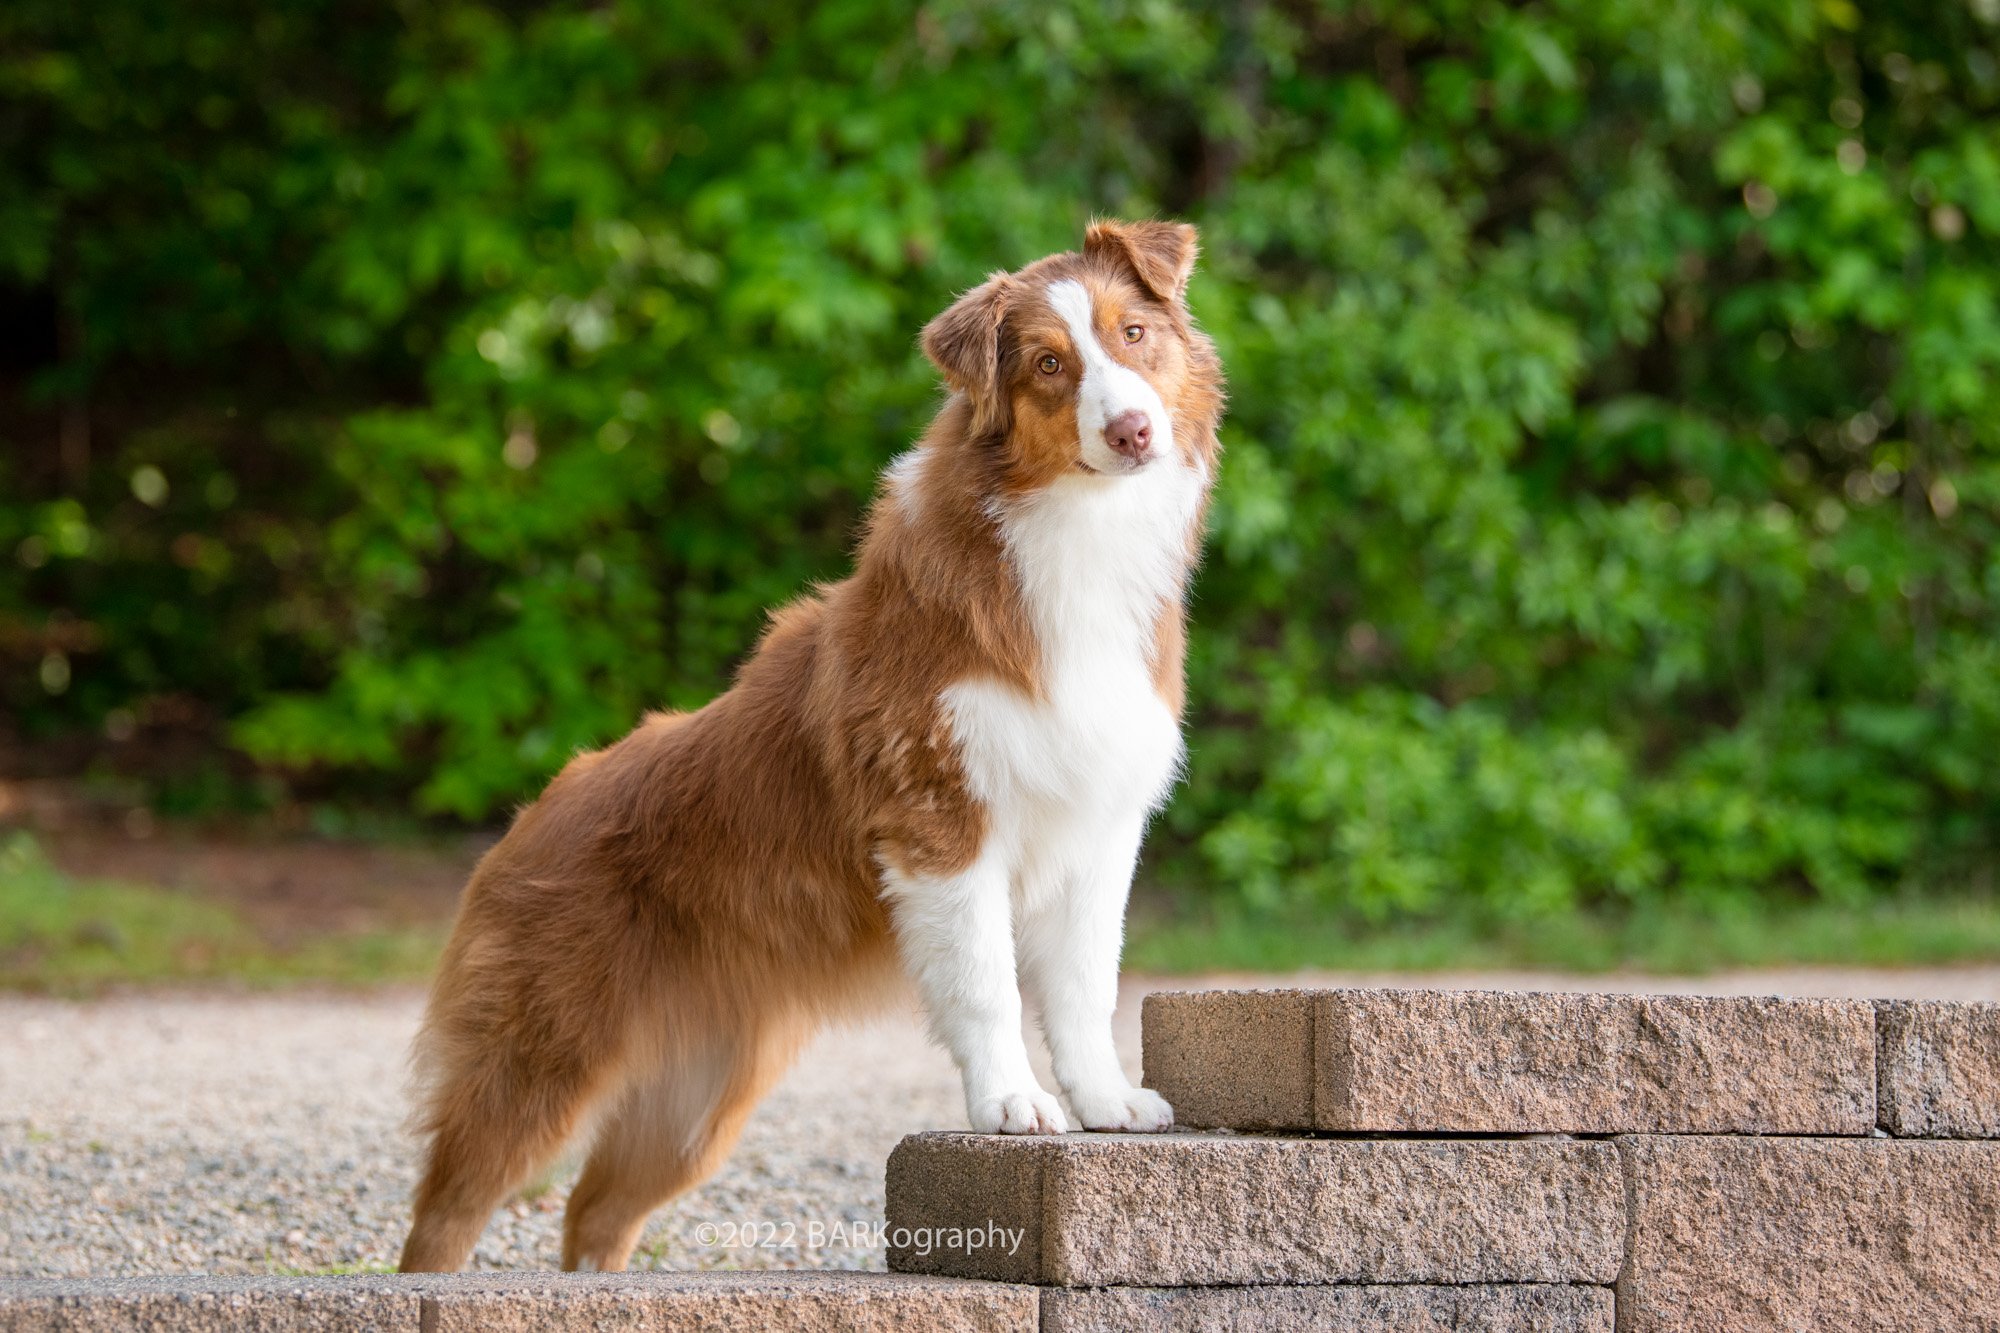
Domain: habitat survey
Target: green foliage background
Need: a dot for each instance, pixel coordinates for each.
(415, 393)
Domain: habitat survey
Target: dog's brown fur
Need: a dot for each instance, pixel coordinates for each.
(659, 932)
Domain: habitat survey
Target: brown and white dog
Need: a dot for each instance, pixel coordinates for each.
(941, 766)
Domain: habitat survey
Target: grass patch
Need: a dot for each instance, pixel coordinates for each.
(70, 936)
(1678, 940)
(73, 936)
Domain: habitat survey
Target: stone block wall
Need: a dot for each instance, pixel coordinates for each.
(1410, 1159)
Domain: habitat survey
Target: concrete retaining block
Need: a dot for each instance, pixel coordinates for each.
(1232, 1059)
(1430, 1061)
(506, 1302)
(208, 1305)
(1210, 1210)
(1779, 1233)
(1377, 1309)
(1937, 1067)
(819, 1302)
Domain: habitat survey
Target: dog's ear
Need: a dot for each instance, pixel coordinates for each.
(964, 342)
(1160, 254)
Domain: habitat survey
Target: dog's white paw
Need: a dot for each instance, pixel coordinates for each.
(1019, 1113)
(1138, 1110)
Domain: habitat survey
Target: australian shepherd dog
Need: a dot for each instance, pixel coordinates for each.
(939, 768)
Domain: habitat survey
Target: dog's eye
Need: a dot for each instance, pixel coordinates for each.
(1134, 332)
(1049, 365)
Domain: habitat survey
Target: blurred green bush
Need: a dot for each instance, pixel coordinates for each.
(419, 392)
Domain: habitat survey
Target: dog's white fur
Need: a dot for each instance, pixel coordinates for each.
(1108, 388)
(1068, 780)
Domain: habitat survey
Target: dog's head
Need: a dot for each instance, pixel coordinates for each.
(1087, 363)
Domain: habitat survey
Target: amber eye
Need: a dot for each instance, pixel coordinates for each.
(1134, 332)
(1049, 365)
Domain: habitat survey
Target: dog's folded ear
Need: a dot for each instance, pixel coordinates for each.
(1161, 254)
(964, 341)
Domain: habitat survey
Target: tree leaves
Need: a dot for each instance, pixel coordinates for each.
(1614, 449)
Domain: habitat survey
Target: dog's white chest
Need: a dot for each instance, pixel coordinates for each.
(1098, 565)
(1102, 740)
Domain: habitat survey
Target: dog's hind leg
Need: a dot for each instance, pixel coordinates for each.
(670, 1130)
(491, 1127)
(510, 1058)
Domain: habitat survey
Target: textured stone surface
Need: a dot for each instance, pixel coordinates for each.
(1428, 1061)
(1811, 1234)
(938, 1183)
(1232, 1059)
(208, 1305)
(749, 1302)
(1937, 1067)
(519, 1303)
(1212, 1210)
(1377, 1309)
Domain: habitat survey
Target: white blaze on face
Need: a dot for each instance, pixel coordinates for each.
(1108, 389)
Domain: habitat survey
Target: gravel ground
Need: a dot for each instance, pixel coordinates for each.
(180, 1133)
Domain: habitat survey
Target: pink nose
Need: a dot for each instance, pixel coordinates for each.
(1130, 434)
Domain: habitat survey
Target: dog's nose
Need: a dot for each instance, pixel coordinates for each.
(1130, 434)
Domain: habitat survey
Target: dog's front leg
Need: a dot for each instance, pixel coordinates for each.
(956, 934)
(1070, 942)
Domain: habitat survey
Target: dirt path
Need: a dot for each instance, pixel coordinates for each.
(173, 1133)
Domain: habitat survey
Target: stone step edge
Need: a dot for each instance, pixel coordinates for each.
(511, 1302)
(1538, 1306)
(756, 1300)
(1090, 1210)
(1282, 1059)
